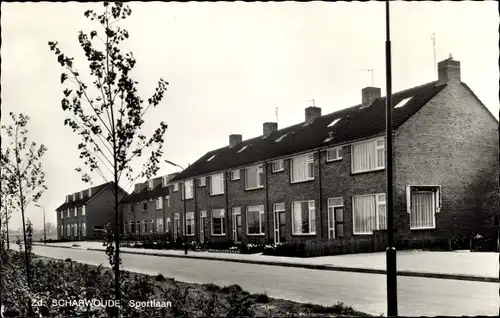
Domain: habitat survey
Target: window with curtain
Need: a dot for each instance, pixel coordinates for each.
(369, 213)
(423, 210)
(218, 222)
(190, 223)
(217, 184)
(303, 217)
(256, 221)
(159, 224)
(368, 155)
(302, 168)
(188, 189)
(254, 177)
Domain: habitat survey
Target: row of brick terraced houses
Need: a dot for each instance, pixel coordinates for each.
(324, 178)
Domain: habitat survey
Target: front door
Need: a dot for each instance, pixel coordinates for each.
(202, 228)
(177, 227)
(279, 223)
(237, 225)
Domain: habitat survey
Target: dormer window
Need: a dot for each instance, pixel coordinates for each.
(150, 184)
(176, 187)
(164, 181)
(281, 138)
(90, 192)
(333, 122)
(211, 158)
(243, 148)
(330, 137)
(403, 102)
(74, 196)
(67, 198)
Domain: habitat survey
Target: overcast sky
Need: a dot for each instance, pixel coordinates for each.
(231, 64)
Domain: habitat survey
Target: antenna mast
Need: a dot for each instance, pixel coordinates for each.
(434, 49)
(276, 112)
(368, 70)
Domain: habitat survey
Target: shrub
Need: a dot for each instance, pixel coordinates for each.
(484, 244)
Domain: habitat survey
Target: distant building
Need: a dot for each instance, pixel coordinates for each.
(325, 178)
(84, 214)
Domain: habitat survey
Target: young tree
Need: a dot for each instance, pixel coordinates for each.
(110, 118)
(22, 162)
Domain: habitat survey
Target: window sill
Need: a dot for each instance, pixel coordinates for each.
(218, 235)
(215, 195)
(367, 233)
(256, 188)
(303, 234)
(422, 228)
(189, 234)
(302, 181)
(367, 171)
(277, 171)
(234, 179)
(334, 160)
(260, 234)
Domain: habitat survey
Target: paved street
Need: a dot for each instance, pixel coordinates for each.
(364, 292)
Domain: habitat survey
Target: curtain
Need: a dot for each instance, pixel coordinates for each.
(299, 168)
(364, 214)
(382, 216)
(304, 218)
(251, 177)
(363, 156)
(253, 216)
(422, 210)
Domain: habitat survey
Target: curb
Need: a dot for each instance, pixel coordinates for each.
(311, 266)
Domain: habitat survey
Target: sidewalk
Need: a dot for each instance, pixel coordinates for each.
(478, 266)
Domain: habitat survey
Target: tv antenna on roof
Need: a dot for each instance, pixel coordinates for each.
(433, 38)
(313, 102)
(368, 70)
(276, 112)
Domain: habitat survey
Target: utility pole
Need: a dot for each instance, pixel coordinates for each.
(183, 197)
(44, 232)
(392, 294)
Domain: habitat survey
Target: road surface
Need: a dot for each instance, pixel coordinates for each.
(364, 292)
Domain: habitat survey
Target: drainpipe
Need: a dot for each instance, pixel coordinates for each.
(184, 221)
(269, 239)
(227, 205)
(320, 196)
(195, 208)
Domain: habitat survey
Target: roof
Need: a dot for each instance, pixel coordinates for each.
(355, 123)
(145, 193)
(95, 191)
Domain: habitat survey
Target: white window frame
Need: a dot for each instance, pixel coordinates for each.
(223, 217)
(167, 225)
(311, 219)
(84, 229)
(437, 203)
(309, 160)
(202, 182)
(190, 218)
(378, 203)
(150, 184)
(164, 181)
(262, 216)
(62, 214)
(167, 198)
(142, 205)
(235, 174)
(75, 229)
(338, 154)
(221, 174)
(74, 196)
(176, 187)
(67, 213)
(260, 172)
(235, 211)
(84, 212)
(159, 221)
(75, 211)
(90, 192)
(281, 165)
(159, 203)
(378, 165)
(188, 185)
(331, 208)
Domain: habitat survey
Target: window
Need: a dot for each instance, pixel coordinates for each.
(84, 229)
(302, 168)
(335, 217)
(188, 189)
(74, 196)
(333, 154)
(138, 227)
(62, 214)
(144, 226)
(176, 187)
(235, 174)
(423, 204)
(67, 198)
(369, 213)
(211, 158)
(167, 199)
(254, 177)
(333, 122)
(164, 181)
(242, 149)
(150, 184)
(67, 213)
(125, 227)
(368, 156)
(217, 184)
(218, 222)
(403, 102)
(75, 211)
(303, 217)
(190, 223)
(159, 224)
(159, 203)
(75, 229)
(90, 192)
(202, 182)
(68, 230)
(144, 206)
(152, 227)
(281, 138)
(84, 210)
(167, 225)
(256, 221)
(278, 165)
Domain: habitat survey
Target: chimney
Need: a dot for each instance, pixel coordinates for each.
(312, 112)
(268, 128)
(234, 140)
(137, 187)
(369, 95)
(448, 71)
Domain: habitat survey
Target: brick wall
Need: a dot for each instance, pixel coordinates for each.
(453, 142)
(100, 210)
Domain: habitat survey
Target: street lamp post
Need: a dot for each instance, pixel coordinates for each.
(183, 193)
(44, 232)
(392, 295)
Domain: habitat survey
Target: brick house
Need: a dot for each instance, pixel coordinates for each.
(85, 213)
(325, 177)
(146, 210)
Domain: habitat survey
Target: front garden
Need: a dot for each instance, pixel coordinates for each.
(56, 280)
